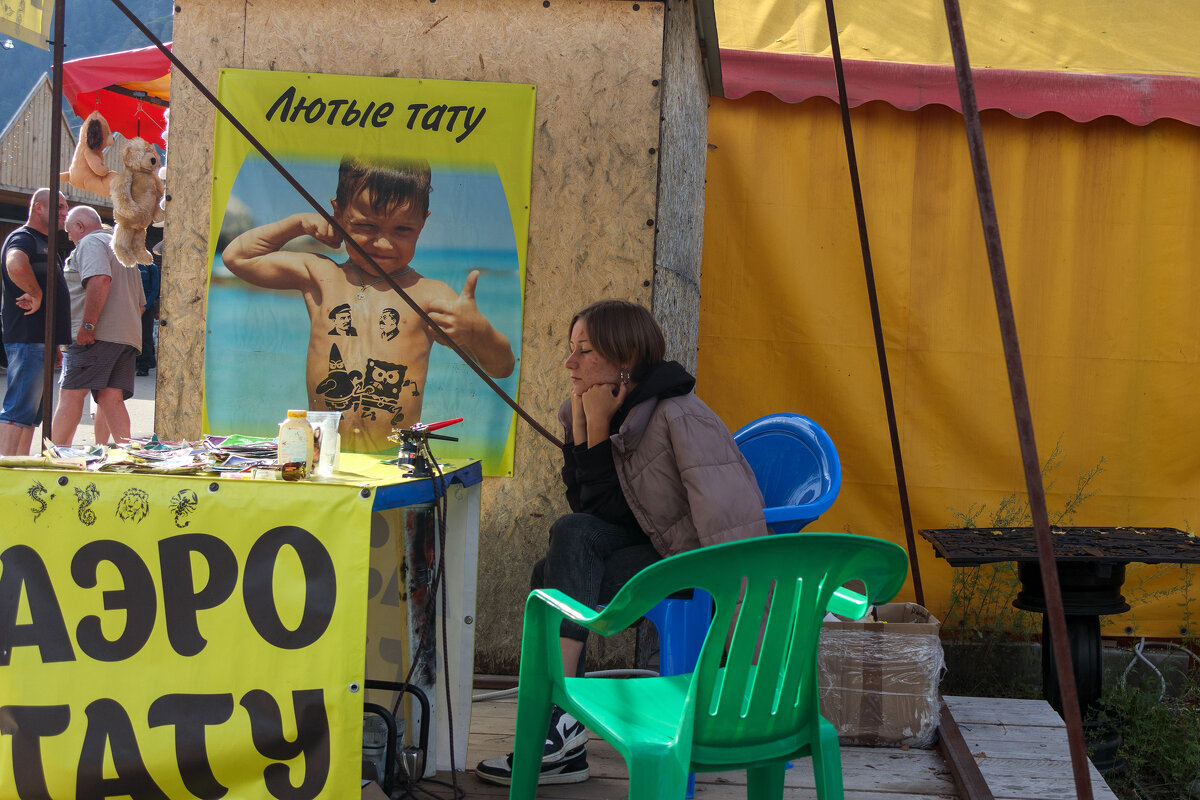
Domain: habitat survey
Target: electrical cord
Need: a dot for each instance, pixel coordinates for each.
(1139, 655)
(440, 510)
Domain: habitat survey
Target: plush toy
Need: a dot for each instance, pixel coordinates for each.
(88, 170)
(162, 171)
(136, 192)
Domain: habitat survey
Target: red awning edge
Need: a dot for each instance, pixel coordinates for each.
(1136, 98)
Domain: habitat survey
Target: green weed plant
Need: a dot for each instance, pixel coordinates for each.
(1160, 739)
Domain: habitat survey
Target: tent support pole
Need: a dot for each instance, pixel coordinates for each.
(873, 297)
(53, 272)
(1020, 400)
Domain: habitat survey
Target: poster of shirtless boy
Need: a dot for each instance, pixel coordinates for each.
(431, 180)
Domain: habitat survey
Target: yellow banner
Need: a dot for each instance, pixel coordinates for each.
(180, 637)
(1103, 282)
(1079, 36)
(27, 20)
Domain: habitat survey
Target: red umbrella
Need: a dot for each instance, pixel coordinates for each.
(131, 89)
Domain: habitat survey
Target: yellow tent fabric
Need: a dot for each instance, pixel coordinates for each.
(1101, 231)
(1106, 36)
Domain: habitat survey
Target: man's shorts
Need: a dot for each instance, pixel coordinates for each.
(23, 398)
(101, 365)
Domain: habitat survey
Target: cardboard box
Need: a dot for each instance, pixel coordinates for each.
(878, 680)
(372, 791)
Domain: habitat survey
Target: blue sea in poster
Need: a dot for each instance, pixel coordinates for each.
(264, 333)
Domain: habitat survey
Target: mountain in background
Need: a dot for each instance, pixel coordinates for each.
(92, 27)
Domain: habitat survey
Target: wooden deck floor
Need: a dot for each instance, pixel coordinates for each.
(1019, 745)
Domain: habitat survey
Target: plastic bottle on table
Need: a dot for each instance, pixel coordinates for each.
(296, 443)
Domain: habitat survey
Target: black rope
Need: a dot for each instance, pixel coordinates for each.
(440, 507)
(1020, 400)
(440, 511)
(349, 241)
(873, 298)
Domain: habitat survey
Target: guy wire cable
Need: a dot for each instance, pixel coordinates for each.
(873, 298)
(346, 238)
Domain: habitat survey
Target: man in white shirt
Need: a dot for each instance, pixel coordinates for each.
(106, 312)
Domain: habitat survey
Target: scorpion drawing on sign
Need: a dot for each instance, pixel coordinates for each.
(183, 503)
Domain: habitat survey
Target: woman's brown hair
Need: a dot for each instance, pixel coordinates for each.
(624, 333)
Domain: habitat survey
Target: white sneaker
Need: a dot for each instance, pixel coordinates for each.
(563, 761)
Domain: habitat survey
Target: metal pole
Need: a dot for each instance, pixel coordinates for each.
(873, 299)
(1020, 399)
(53, 272)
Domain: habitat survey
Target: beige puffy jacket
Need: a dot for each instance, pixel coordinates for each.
(683, 476)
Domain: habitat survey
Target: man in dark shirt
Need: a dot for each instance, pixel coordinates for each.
(23, 268)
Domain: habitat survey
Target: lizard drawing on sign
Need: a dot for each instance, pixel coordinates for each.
(86, 496)
(36, 492)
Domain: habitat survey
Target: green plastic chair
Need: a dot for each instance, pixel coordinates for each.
(751, 702)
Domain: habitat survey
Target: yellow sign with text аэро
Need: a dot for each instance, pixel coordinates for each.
(178, 637)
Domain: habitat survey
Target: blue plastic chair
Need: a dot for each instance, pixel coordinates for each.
(796, 465)
(799, 475)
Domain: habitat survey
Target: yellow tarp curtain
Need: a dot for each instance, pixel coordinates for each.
(1101, 230)
(1107, 36)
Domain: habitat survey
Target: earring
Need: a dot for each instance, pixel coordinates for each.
(624, 376)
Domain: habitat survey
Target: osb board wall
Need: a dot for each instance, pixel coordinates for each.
(597, 65)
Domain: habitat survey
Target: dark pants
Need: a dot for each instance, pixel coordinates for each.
(146, 360)
(590, 560)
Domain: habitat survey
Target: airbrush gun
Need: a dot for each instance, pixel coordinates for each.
(413, 445)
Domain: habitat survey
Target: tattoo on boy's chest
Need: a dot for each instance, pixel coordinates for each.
(377, 392)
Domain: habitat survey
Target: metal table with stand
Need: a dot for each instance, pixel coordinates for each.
(1091, 571)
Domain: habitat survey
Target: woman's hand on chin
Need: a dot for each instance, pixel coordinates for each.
(600, 402)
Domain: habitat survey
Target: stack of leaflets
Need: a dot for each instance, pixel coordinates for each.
(221, 454)
(232, 454)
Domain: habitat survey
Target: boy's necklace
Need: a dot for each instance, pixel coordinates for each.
(362, 287)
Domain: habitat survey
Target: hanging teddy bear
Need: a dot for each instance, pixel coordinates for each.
(136, 193)
(88, 170)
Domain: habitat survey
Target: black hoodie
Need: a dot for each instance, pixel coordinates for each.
(589, 473)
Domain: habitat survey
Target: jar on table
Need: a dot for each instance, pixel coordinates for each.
(295, 453)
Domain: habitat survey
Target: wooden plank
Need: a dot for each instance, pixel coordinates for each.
(1021, 749)
(1033, 734)
(1032, 779)
(1019, 754)
(611, 789)
(1012, 711)
(967, 777)
(868, 772)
